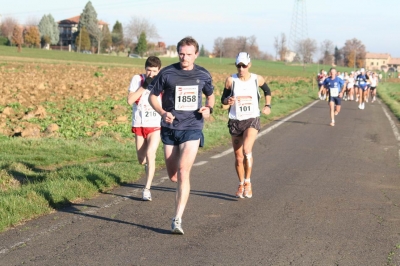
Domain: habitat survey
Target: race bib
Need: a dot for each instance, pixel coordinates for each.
(149, 115)
(186, 98)
(334, 92)
(244, 107)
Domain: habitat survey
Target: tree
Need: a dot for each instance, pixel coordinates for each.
(138, 25)
(141, 46)
(107, 40)
(117, 36)
(88, 19)
(83, 40)
(281, 47)
(327, 52)
(48, 29)
(7, 27)
(32, 36)
(202, 51)
(305, 49)
(97, 34)
(358, 49)
(337, 56)
(231, 46)
(17, 37)
(218, 47)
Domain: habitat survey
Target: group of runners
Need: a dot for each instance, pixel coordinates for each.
(167, 106)
(335, 86)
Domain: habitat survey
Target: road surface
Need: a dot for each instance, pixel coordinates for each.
(321, 196)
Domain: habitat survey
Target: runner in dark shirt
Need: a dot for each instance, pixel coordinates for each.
(182, 116)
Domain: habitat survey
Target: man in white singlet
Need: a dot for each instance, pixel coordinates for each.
(145, 121)
(242, 95)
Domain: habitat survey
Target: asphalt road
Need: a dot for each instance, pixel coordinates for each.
(321, 196)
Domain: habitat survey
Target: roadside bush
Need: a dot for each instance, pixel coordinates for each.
(3, 40)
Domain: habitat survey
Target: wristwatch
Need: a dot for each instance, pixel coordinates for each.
(211, 109)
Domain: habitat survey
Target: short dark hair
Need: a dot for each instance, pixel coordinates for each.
(189, 40)
(153, 61)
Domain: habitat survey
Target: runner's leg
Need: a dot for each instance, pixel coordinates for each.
(153, 140)
(188, 152)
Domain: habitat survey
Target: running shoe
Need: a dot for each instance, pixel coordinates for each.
(366, 99)
(239, 193)
(332, 124)
(146, 195)
(360, 106)
(176, 226)
(363, 106)
(248, 193)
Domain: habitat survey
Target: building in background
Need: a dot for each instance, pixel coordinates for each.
(68, 27)
(385, 62)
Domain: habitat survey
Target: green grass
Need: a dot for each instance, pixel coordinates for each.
(40, 175)
(389, 92)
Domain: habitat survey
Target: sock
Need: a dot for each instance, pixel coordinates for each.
(241, 183)
(247, 180)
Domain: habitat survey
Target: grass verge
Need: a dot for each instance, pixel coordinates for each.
(390, 94)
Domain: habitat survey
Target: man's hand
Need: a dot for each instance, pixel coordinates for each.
(266, 110)
(205, 111)
(168, 117)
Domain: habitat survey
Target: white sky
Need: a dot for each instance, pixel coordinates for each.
(374, 23)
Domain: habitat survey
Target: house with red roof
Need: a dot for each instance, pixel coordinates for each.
(68, 27)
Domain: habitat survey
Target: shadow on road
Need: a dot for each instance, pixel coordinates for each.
(74, 210)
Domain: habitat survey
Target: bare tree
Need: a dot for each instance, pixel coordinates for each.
(219, 47)
(354, 49)
(32, 21)
(281, 48)
(231, 46)
(17, 37)
(305, 49)
(327, 50)
(96, 32)
(137, 25)
(7, 27)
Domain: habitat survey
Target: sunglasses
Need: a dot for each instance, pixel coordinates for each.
(242, 66)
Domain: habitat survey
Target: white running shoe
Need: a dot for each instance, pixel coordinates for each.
(146, 195)
(362, 106)
(359, 106)
(176, 226)
(366, 100)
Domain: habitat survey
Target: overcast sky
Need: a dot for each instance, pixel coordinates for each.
(374, 23)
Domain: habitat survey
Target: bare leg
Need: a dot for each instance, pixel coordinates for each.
(249, 137)
(153, 139)
(141, 148)
(237, 143)
(188, 152)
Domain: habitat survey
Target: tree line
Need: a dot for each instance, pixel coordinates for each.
(352, 54)
(90, 35)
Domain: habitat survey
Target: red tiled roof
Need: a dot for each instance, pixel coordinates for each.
(394, 61)
(376, 56)
(75, 20)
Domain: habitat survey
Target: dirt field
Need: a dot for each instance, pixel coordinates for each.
(25, 87)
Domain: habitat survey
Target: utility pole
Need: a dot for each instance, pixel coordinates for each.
(298, 28)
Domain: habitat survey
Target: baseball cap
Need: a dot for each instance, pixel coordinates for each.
(243, 58)
(362, 70)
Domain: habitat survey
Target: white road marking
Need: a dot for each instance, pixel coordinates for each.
(200, 163)
(393, 125)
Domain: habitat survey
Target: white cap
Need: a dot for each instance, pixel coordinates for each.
(362, 70)
(243, 58)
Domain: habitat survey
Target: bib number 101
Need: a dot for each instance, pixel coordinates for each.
(187, 99)
(244, 108)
